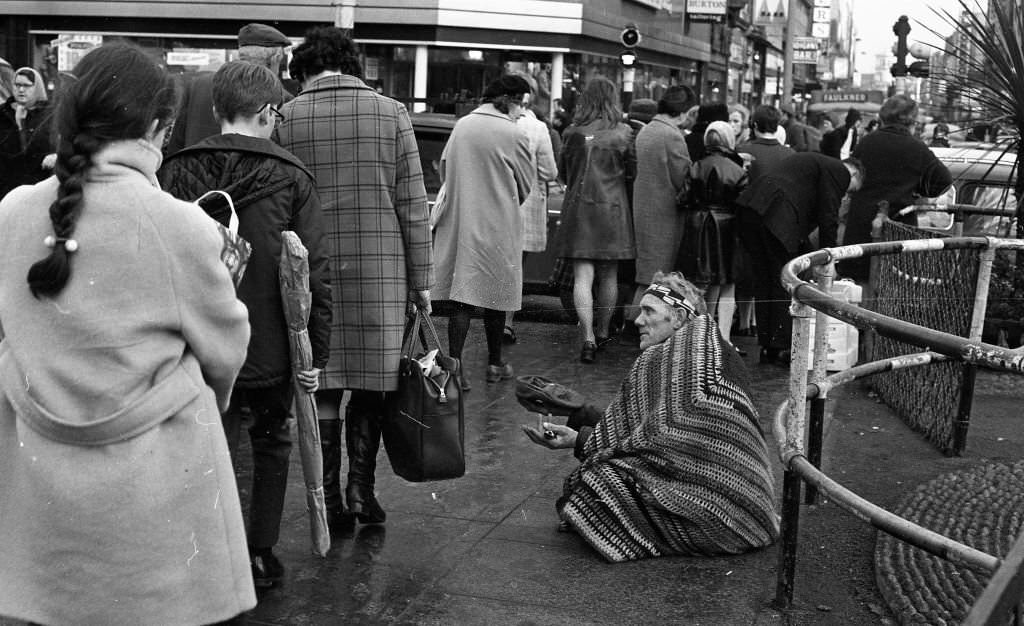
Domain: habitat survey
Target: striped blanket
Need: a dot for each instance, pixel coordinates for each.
(678, 464)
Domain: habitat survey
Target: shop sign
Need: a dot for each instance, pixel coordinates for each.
(821, 30)
(72, 47)
(805, 50)
(188, 58)
(714, 9)
(657, 4)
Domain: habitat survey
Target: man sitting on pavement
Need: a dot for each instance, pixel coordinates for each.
(677, 464)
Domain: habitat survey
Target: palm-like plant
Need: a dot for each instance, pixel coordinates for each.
(991, 50)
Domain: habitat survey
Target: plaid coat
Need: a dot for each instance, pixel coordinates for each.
(360, 147)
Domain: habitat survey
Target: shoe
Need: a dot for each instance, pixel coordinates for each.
(508, 335)
(499, 372)
(604, 341)
(740, 351)
(540, 395)
(589, 352)
(364, 505)
(767, 356)
(783, 357)
(267, 571)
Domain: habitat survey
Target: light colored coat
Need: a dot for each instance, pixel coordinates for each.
(361, 149)
(117, 493)
(478, 245)
(662, 175)
(544, 168)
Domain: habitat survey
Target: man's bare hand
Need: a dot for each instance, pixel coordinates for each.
(564, 437)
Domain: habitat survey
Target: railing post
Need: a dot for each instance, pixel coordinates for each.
(816, 426)
(793, 444)
(970, 370)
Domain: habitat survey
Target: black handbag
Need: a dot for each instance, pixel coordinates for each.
(424, 429)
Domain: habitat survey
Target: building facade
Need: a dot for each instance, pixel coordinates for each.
(434, 53)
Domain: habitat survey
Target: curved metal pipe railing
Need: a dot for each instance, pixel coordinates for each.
(790, 424)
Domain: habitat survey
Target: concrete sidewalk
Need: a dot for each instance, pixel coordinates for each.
(484, 549)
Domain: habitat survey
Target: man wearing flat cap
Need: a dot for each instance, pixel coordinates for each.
(257, 43)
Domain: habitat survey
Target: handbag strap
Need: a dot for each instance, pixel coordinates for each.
(233, 220)
(418, 322)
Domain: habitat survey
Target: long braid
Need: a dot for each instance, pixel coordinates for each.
(117, 93)
(49, 276)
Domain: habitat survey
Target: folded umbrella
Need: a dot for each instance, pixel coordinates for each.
(295, 295)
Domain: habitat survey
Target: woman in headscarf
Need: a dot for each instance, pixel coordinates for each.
(709, 238)
(26, 151)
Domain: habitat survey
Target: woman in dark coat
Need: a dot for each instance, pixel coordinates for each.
(25, 133)
(899, 168)
(709, 238)
(707, 113)
(598, 162)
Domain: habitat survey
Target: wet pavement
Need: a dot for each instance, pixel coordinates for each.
(484, 549)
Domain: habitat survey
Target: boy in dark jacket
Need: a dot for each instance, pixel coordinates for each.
(272, 192)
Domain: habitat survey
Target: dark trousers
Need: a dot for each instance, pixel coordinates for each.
(270, 434)
(767, 257)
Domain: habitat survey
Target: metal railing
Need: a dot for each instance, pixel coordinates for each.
(791, 424)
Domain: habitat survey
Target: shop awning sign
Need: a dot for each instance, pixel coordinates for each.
(706, 10)
(72, 47)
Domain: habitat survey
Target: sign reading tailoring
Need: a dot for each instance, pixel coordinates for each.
(706, 10)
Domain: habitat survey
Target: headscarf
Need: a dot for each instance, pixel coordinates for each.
(38, 84)
(6, 80)
(720, 135)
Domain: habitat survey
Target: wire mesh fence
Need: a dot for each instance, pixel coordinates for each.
(932, 289)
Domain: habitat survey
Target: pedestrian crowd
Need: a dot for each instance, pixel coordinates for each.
(134, 350)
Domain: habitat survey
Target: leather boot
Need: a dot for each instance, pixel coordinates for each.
(362, 439)
(339, 519)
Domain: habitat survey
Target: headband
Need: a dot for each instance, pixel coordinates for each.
(672, 298)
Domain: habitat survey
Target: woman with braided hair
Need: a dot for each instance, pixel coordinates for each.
(122, 340)
(677, 464)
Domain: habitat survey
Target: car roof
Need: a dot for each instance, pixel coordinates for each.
(433, 121)
(978, 162)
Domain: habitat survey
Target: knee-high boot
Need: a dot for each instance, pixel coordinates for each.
(338, 517)
(362, 440)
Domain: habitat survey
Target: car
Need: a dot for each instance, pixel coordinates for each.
(432, 131)
(984, 175)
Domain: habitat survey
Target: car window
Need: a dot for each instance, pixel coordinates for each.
(431, 144)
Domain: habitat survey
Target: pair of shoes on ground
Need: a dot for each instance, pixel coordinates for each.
(496, 373)
(267, 571)
(775, 356)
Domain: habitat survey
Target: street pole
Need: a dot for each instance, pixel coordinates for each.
(345, 15)
(787, 63)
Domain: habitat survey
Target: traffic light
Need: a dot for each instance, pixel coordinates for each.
(919, 69)
(630, 36)
(628, 58)
(901, 29)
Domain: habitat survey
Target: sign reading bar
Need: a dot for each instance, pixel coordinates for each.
(809, 57)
